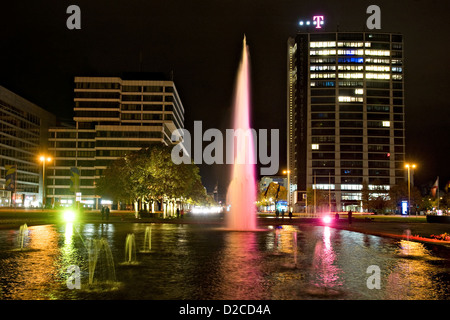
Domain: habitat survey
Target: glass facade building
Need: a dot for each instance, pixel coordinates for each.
(113, 116)
(23, 136)
(345, 114)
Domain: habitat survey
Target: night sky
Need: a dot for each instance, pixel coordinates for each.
(201, 42)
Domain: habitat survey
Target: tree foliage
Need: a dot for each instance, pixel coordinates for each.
(319, 197)
(149, 174)
(399, 193)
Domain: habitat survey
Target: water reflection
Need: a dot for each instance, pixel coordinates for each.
(282, 239)
(196, 262)
(325, 273)
(415, 274)
(34, 272)
(69, 253)
(240, 270)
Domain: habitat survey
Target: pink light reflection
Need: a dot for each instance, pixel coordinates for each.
(240, 268)
(325, 271)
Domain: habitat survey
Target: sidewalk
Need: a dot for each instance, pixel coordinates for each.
(412, 228)
(418, 231)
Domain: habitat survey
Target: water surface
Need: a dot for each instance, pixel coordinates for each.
(201, 262)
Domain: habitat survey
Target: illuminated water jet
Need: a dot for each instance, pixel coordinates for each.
(22, 236)
(147, 248)
(242, 189)
(101, 262)
(130, 249)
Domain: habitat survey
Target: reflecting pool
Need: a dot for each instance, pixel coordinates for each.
(202, 262)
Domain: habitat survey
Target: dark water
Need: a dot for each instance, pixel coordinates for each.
(201, 262)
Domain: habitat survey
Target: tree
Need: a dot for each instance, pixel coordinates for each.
(399, 193)
(149, 175)
(379, 203)
(378, 198)
(321, 198)
(115, 183)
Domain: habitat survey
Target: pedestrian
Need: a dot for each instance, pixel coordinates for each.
(336, 216)
(282, 214)
(277, 213)
(290, 213)
(103, 212)
(107, 213)
(182, 213)
(178, 213)
(350, 217)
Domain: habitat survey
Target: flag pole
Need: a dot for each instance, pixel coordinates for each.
(438, 194)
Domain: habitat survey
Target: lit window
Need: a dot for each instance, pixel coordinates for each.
(351, 52)
(323, 44)
(370, 52)
(322, 68)
(355, 75)
(350, 44)
(322, 75)
(351, 196)
(351, 186)
(382, 76)
(359, 91)
(379, 187)
(351, 60)
(315, 146)
(350, 83)
(322, 52)
(350, 99)
(378, 68)
(351, 68)
(323, 186)
(386, 123)
(378, 60)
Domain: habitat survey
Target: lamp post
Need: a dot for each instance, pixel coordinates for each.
(44, 159)
(409, 166)
(288, 188)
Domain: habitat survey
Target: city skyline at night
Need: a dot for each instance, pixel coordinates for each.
(200, 43)
(210, 158)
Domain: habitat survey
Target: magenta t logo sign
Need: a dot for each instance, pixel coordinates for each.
(318, 20)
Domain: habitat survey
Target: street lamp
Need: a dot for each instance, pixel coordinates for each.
(409, 166)
(44, 159)
(288, 172)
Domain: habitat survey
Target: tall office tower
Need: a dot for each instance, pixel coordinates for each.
(113, 116)
(23, 136)
(345, 114)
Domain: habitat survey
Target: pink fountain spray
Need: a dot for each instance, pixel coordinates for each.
(242, 189)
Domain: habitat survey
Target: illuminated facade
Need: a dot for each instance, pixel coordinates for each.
(345, 114)
(23, 136)
(113, 116)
